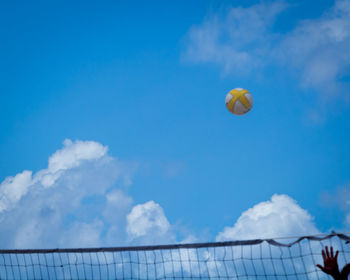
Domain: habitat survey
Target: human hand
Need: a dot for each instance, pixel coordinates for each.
(330, 261)
(345, 272)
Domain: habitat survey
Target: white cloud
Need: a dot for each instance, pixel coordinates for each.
(70, 156)
(13, 188)
(117, 206)
(82, 234)
(84, 206)
(279, 217)
(62, 204)
(340, 199)
(243, 40)
(78, 200)
(237, 40)
(73, 154)
(148, 222)
(319, 49)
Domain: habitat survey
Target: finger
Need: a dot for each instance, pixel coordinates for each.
(320, 267)
(331, 251)
(327, 252)
(324, 255)
(336, 254)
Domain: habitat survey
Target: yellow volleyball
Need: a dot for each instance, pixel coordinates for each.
(239, 101)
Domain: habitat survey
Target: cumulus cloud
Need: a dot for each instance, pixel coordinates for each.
(80, 200)
(148, 223)
(13, 188)
(71, 156)
(245, 39)
(279, 217)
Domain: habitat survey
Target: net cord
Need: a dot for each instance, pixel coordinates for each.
(273, 242)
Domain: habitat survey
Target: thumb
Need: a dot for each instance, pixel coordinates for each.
(321, 267)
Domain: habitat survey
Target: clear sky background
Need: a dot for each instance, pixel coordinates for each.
(114, 130)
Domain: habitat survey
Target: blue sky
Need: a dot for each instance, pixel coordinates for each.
(149, 81)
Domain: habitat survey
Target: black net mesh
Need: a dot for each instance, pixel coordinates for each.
(251, 259)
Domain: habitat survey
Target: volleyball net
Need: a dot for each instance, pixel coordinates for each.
(249, 259)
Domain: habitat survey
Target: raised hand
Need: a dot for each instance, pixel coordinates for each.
(345, 272)
(330, 261)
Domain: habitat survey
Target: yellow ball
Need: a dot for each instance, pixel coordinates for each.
(239, 101)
